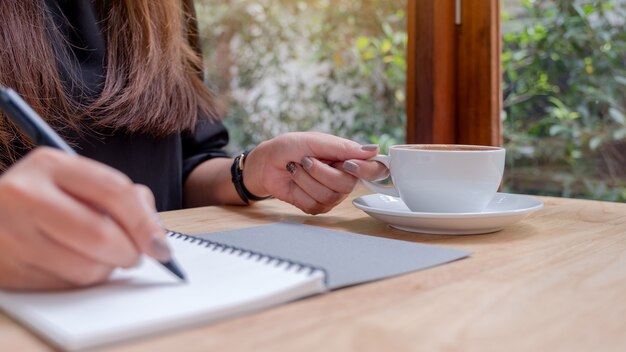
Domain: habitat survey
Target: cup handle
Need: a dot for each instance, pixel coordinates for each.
(387, 190)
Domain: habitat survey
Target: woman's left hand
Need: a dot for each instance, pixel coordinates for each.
(311, 170)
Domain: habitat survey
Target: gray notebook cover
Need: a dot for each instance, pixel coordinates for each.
(348, 258)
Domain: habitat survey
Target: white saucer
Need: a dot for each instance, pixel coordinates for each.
(504, 209)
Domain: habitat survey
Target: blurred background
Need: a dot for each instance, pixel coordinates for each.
(336, 66)
(564, 75)
(340, 67)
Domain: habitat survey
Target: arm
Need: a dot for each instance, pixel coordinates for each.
(210, 184)
(288, 167)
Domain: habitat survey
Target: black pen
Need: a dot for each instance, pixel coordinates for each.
(41, 134)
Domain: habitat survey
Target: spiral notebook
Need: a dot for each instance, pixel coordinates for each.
(224, 280)
(147, 299)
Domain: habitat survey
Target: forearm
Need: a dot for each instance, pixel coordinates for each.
(210, 184)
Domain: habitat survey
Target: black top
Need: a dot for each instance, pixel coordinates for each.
(162, 164)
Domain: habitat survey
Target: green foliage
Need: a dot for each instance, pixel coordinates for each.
(284, 65)
(565, 98)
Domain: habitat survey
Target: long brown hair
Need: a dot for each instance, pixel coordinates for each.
(153, 78)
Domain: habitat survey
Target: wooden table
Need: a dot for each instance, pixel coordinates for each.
(553, 282)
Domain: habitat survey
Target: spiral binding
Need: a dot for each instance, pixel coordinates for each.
(259, 257)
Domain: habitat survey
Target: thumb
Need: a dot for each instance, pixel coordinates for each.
(333, 148)
(156, 245)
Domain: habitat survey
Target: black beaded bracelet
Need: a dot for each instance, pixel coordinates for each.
(236, 172)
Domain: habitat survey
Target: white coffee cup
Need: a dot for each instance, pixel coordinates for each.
(442, 178)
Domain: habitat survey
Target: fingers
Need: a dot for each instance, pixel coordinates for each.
(37, 262)
(329, 147)
(311, 195)
(323, 146)
(305, 202)
(264, 171)
(320, 185)
(85, 230)
(329, 176)
(67, 221)
(130, 205)
(365, 169)
(154, 243)
(72, 268)
(24, 277)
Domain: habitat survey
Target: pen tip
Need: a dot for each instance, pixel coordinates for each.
(171, 266)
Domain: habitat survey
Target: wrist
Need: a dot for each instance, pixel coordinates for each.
(244, 180)
(253, 172)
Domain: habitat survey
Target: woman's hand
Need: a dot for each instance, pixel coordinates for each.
(68, 221)
(313, 171)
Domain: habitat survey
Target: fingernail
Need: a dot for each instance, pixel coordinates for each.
(369, 147)
(160, 249)
(306, 163)
(351, 167)
(291, 167)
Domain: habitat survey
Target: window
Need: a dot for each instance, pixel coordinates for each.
(453, 85)
(565, 97)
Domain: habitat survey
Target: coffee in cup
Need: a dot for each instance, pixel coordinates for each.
(442, 178)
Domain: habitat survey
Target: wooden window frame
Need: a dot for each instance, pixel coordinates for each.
(454, 72)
